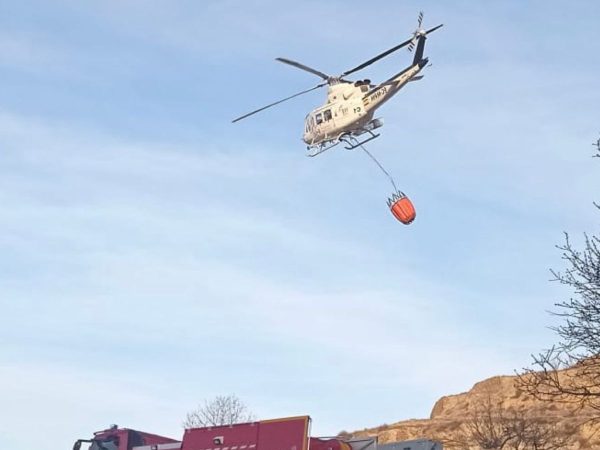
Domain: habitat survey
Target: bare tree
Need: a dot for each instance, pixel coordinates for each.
(537, 435)
(492, 428)
(488, 428)
(528, 433)
(578, 348)
(221, 410)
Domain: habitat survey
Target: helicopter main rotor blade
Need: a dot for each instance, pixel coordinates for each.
(278, 102)
(303, 67)
(431, 30)
(376, 58)
(384, 54)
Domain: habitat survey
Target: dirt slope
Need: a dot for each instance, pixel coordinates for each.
(451, 412)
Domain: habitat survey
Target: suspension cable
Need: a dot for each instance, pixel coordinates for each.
(380, 166)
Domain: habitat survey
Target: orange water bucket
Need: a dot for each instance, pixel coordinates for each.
(402, 208)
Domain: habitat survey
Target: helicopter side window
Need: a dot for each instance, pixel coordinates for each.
(319, 118)
(327, 114)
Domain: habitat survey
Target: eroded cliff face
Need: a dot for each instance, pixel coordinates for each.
(450, 414)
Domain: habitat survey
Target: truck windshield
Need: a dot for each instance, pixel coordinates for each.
(109, 444)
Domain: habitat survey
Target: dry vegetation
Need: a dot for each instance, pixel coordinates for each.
(498, 414)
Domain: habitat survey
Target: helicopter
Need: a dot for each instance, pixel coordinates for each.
(348, 115)
(349, 111)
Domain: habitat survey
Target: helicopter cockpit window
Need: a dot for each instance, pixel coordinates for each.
(319, 118)
(364, 88)
(327, 114)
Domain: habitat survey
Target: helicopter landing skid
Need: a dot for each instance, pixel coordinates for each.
(314, 151)
(351, 143)
(354, 142)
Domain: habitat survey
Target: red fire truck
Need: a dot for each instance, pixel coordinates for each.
(291, 433)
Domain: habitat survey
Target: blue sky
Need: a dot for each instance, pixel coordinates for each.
(152, 254)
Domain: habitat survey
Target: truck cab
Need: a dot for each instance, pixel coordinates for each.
(115, 438)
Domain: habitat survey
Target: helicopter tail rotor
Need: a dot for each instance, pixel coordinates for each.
(418, 40)
(420, 33)
(416, 33)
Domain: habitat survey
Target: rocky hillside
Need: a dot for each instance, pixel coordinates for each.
(451, 414)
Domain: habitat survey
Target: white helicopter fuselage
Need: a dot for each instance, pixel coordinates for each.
(350, 108)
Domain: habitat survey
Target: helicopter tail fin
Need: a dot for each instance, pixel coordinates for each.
(419, 38)
(420, 49)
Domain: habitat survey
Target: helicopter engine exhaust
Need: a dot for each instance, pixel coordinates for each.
(373, 124)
